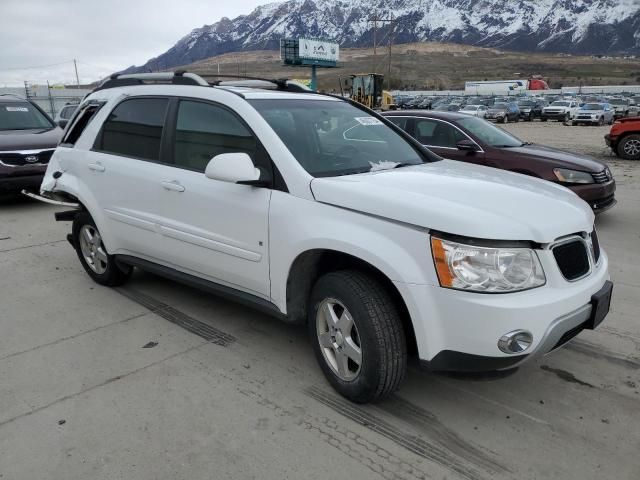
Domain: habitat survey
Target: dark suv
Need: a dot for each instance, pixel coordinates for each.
(28, 138)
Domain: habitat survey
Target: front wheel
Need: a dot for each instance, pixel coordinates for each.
(357, 335)
(601, 121)
(93, 255)
(505, 119)
(567, 117)
(629, 147)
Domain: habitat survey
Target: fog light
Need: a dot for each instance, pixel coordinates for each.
(515, 342)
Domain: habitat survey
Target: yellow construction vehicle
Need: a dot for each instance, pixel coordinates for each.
(366, 88)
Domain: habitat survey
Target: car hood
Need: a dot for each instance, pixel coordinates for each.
(558, 158)
(462, 199)
(30, 139)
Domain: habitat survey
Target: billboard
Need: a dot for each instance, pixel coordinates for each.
(318, 50)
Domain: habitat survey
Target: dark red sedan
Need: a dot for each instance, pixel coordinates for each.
(470, 139)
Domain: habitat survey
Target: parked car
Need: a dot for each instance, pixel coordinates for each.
(531, 109)
(474, 110)
(65, 114)
(624, 138)
(560, 110)
(503, 112)
(472, 140)
(317, 210)
(28, 137)
(624, 107)
(594, 114)
(447, 107)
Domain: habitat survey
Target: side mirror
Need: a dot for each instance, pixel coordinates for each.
(467, 146)
(63, 123)
(233, 168)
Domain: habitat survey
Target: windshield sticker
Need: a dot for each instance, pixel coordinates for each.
(368, 121)
(17, 109)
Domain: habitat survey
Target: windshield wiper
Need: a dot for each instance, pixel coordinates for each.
(406, 164)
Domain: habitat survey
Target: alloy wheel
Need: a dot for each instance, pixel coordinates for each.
(339, 339)
(632, 147)
(92, 249)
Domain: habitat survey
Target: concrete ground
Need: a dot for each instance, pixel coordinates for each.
(158, 381)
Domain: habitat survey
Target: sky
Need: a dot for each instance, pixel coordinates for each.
(40, 38)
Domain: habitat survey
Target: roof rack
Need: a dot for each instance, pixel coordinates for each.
(181, 77)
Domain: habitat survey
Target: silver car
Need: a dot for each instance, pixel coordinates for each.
(594, 114)
(475, 110)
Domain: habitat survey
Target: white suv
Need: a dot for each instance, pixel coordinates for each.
(319, 211)
(560, 110)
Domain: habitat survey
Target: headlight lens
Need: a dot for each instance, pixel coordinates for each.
(572, 176)
(484, 269)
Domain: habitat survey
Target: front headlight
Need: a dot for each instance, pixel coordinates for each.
(484, 269)
(572, 176)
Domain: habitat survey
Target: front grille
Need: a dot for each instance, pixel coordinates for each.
(15, 159)
(596, 245)
(601, 177)
(572, 259)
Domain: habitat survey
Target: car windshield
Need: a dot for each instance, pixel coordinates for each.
(331, 138)
(526, 104)
(67, 112)
(489, 133)
(560, 104)
(592, 106)
(22, 116)
(499, 106)
(617, 101)
(470, 107)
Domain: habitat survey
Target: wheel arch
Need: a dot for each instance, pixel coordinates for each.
(310, 265)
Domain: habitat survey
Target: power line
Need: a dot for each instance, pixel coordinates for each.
(34, 66)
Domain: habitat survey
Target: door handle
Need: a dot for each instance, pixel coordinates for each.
(174, 186)
(96, 167)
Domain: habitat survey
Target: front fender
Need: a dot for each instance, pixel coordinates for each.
(400, 251)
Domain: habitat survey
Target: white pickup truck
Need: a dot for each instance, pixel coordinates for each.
(319, 211)
(560, 110)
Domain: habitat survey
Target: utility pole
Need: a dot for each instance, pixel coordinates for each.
(75, 65)
(392, 23)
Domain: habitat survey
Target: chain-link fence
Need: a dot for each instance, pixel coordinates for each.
(50, 99)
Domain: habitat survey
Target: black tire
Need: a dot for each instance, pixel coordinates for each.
(625, 144)
(601, 121)
(114, 274)
(379, 332)
(567, 117)
(574, 123)
(543, 119)
(505, 119)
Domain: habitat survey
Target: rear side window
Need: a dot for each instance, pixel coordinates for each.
(134, 128)
(204, 131)
(80, 122)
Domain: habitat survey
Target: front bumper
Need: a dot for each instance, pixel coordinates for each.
(459, 331)
(599, 196)
(16, 183)
(553, 115)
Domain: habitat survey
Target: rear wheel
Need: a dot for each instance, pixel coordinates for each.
(357, 335)
(93, 255)
(629, 147)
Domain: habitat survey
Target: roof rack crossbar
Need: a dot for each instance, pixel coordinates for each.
(124, 79)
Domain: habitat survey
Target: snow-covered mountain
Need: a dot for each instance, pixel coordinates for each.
(571, 26)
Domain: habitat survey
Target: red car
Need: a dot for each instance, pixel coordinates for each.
(458, 136)
(624, 138)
